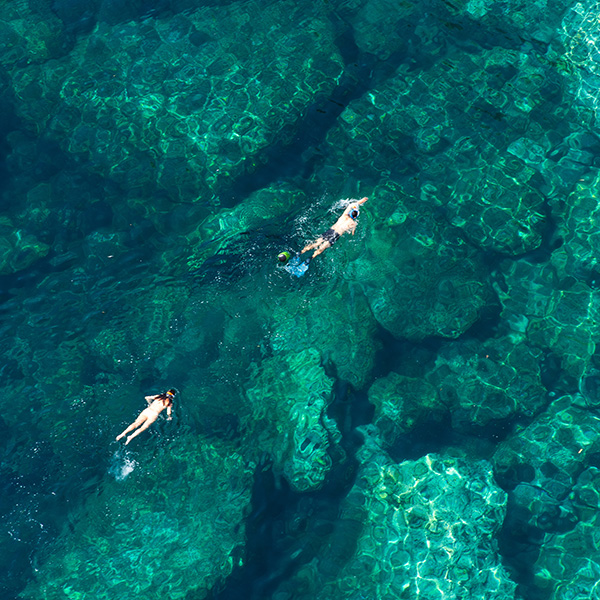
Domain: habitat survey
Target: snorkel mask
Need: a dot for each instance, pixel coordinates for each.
(284, 257)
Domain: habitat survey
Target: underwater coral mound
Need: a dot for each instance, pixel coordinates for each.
(170, 529)
(427, 531)
(289, 394)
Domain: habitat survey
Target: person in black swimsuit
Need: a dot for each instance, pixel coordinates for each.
(345, 224)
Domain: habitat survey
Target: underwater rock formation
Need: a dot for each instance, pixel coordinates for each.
(427, 531)
(339, 324)
(480, 383)
(578, 226)
(18, 249)
(172, 529)
(484, 182)
(420, 279)
(403, 404)
(178, 107)
(29, 33)
(568, 565)
(267, 209)
(554, 313)
(289, 395)
(578, 36)
(542, 462)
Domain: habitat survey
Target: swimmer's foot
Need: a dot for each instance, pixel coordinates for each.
(127, 440)
(120, 436)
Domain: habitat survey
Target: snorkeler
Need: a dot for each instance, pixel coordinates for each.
(156, 405)
(345, 224)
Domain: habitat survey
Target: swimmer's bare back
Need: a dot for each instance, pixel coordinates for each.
(345, 224)
(157, 404)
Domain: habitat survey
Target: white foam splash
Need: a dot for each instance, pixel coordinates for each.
(121, 466)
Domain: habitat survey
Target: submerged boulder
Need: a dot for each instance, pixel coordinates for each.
(568, 565)
(483, 383)
(18, 249)
(178, 107)
(541, 463)
(404, 404)
(551, 312)
(288, 395)
(425, 529)
(420, 280)
(170, 529)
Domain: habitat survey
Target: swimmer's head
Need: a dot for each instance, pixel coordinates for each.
(283, 257)
(169, 395)
(353, 211)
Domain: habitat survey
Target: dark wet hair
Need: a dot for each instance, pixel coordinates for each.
(168, 395)
(354, 213)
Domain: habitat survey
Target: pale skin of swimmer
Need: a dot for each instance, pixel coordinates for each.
(345, 224)
(147, 417)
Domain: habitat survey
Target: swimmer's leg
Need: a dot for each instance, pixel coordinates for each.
(142, 428)
(135, 424)
(312, 245)
(321, 249)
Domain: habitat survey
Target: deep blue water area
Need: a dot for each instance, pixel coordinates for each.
(417, 416)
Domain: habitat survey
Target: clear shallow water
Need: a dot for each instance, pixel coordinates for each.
(429, 382)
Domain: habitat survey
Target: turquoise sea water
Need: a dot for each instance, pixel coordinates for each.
(417, 416)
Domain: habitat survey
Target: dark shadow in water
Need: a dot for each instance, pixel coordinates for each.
(519, 546)
(287, 529)
(299, 157)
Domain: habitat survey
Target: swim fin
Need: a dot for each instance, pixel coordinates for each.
(297, 267)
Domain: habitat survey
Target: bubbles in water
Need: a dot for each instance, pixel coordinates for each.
(121, 465)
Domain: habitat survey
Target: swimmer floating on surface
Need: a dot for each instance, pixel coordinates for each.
(156, 405)
(345, 224)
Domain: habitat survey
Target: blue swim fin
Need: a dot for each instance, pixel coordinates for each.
(297, 267)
